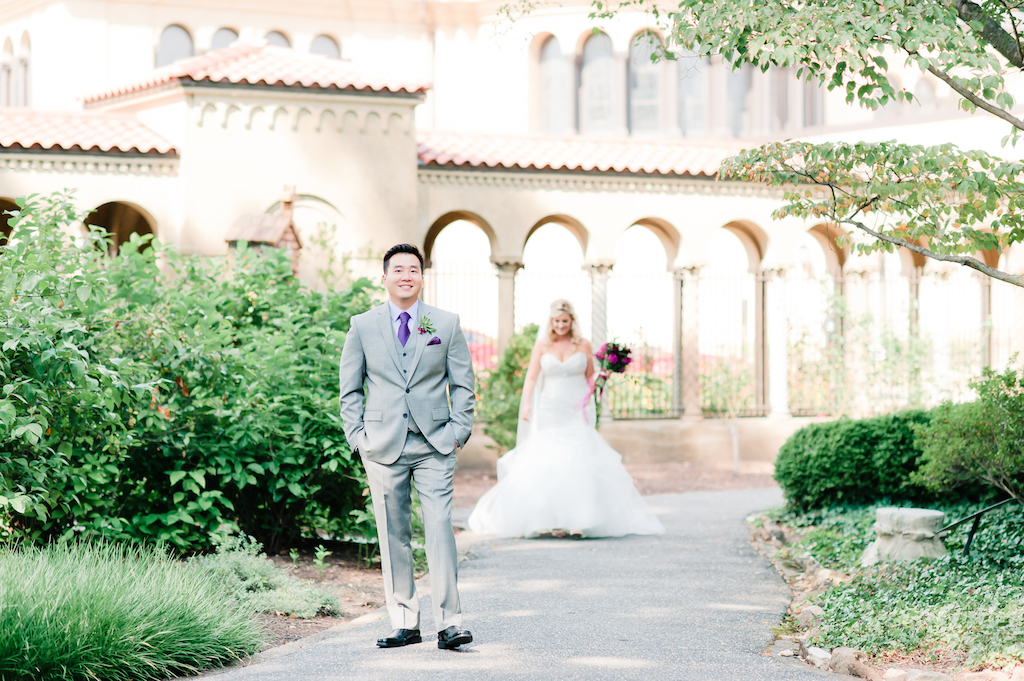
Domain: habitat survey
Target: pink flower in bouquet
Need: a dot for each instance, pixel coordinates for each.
(613, 358)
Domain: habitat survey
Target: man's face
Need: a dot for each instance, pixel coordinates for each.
(403, 280)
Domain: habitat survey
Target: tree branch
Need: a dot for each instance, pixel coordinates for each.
(965, 260)
(975, 99)
(991, 31)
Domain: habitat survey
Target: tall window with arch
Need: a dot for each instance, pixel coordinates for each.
(596, 93)
(277, 39)
(644, 84)
(780, 98)
(175, 44)
(21, 90)
(737, 91)
(223, 37)
(6, 72)
(462, 279)
(555, 89)
(693, 93)
(814, 103)
(326, 46)
(552, 269)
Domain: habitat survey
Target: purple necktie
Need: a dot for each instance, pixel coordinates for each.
(403, 328)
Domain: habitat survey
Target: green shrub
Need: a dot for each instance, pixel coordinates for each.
(499, 392)
(851, 462)
(969, 608)
(243, 571)
(163, 403)
(76, 611)
(980, 442)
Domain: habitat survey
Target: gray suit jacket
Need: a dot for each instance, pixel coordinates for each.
(370, 357)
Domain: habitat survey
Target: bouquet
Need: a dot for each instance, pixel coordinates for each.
(612, 358)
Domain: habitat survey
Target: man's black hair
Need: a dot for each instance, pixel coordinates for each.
(402, 248)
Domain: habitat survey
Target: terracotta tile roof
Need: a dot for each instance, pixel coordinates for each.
(683, 157)
(262, 64)
(23, 129)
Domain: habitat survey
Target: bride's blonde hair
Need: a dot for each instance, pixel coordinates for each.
(559, 307)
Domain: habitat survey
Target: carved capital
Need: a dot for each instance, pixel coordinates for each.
(690, 273)
(599, 267)
(506, 266)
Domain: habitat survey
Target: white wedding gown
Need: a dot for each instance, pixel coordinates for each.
(562, 475)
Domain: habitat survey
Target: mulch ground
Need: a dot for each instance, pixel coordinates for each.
(358, 587)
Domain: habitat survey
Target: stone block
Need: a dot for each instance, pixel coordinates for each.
(905, 534)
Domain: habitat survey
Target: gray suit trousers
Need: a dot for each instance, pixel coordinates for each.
(391, 491)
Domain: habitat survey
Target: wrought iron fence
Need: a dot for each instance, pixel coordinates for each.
(470, 289)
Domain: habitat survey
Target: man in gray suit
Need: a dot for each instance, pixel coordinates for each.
(412, 358)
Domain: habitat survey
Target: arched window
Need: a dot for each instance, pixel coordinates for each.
(175, 44)
(644, 84)
(325, 45)
(596, 85)
(121, 220)
(5, 219)
(278, 39)
(223, 37)
(780, 98)
(555, 89)
(737, 89)
(814, 103)
(6, 72)
(22, 85)
(693, 94)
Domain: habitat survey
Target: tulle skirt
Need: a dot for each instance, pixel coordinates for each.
(563, 478)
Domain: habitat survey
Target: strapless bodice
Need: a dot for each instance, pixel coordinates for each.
(575, 364)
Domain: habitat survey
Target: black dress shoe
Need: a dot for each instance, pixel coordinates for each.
(453, 637)
(399, 638)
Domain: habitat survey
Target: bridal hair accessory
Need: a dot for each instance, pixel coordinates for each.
(613, 358)
(434, 341)
(426, 327)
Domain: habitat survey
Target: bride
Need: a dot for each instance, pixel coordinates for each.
(562, 477)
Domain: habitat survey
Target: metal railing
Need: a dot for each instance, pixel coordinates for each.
(976, 517)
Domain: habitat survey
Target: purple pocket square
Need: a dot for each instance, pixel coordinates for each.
(434, 341)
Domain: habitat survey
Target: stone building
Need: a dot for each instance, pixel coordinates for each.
(529, 160)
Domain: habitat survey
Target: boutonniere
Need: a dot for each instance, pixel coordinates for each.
(425, 326)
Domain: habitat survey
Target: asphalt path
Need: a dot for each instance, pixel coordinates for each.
(697, 603)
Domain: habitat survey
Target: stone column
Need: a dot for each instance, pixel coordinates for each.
(678, 279)
(507, 268)
(761, 401)
(986, 319)
(777, 333)
(599, 271)
(690, 332)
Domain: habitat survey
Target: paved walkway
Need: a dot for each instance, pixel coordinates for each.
(696, 603)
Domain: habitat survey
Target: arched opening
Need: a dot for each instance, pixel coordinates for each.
(6, 72)
(641, 314)
(223, 37)
(1007, 322)
(779, 106)
(730, 322)
(277, 39)
(952, 304)
(22, 81)
(326, 46)
(738, 85)
(555, 89)
(327, 242)
(5, 219)
(814, 103)
(175, 44)
(692, 72)
(814, 325)
(460, 278)
(450, 217)
(121, 219)
(645, 84)
(597, 86)
(553, 260)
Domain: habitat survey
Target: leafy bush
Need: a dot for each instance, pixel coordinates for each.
(75, 611)
(499, 392)
(980, 441)
(243, 571)
(163, 402)
(971, 608)
(851, 462)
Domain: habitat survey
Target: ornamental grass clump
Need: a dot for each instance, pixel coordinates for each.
(103, 611)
